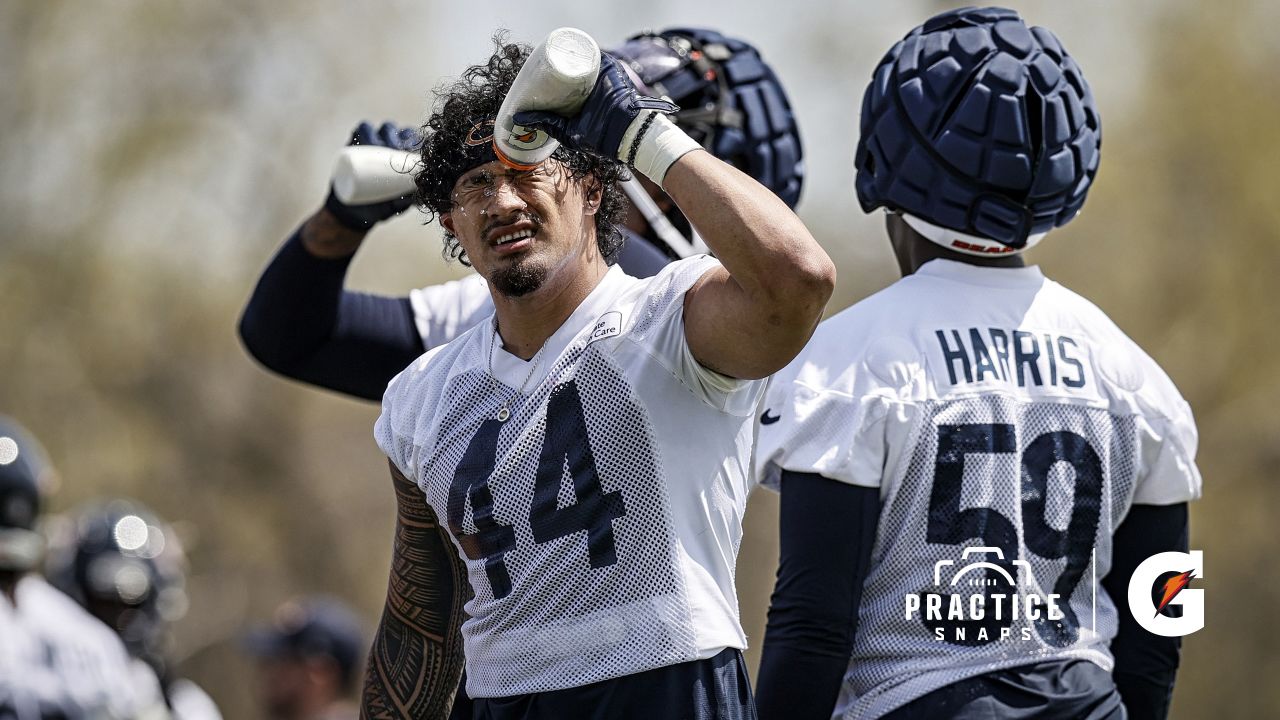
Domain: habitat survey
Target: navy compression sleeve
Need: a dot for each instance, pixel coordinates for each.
(827, 531)
(1146, 664)
(301, 323)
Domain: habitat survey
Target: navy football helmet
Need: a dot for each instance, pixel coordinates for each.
(976, 123)
(25, 474)
(126, 567)
(731, 102)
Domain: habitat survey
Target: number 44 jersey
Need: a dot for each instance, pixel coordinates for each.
(1009, 426)
(598, 512)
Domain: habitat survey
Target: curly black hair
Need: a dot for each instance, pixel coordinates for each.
(474, 96)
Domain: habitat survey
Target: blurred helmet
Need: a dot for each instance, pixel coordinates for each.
(125, 567)
(730, 101)
(25, 474)
(980, 130)
(313, 626)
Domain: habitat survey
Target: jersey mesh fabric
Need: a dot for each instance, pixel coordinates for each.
(898, 659)
(575, 601)
(992, 407)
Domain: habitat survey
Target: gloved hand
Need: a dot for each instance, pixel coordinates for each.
(613, 106)
(363, 217)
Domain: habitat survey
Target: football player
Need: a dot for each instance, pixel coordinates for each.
(967, 455)
(579, 459)
(126, 567)
(56, 660)
(301, 323)
(308, 660)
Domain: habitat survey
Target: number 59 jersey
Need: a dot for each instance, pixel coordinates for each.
(598, 512)
(1009, 426)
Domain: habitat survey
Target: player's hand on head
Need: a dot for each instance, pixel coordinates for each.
(363, 217)
(611, 108)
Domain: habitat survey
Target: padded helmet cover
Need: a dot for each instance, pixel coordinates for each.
(977, 123)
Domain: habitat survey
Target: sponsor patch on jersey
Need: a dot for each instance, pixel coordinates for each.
(609, 325)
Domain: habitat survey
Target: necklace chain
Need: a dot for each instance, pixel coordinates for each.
(505, 411)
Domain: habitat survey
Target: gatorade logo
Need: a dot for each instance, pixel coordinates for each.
(526, 138)
(1168, 573)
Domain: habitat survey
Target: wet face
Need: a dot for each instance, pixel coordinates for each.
(522, 228)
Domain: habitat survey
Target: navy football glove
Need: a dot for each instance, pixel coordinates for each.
(614, 103)
(363, 217)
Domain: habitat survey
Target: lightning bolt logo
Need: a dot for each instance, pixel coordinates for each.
(1172, 587)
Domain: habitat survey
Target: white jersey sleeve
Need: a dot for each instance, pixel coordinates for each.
(1167, 471)
(58, 660)
(445, 311)
(832, 411)
(191, 702)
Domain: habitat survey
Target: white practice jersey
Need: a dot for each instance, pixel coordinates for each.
(445, 311)
(57, 660)
(1009, 426)
(191, 702)
(600, 523)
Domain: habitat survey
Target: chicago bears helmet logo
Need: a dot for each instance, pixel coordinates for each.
(480, 133)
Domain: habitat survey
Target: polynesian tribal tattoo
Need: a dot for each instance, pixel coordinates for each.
(417, 652)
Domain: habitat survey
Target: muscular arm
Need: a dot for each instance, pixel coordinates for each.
(302, 324)
(417, 652)
(749, 319)
(1146, 664)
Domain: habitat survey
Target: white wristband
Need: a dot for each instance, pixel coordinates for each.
(662, 144)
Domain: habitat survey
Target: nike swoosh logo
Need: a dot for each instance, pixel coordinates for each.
(767, 419)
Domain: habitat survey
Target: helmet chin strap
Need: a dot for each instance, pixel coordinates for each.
(682, 246)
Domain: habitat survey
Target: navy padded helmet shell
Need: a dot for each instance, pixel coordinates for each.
(978, 123)
(24, 475)
(730, 101)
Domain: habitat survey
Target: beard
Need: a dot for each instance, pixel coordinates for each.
(519, 278)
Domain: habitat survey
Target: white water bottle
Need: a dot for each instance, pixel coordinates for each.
(557, 77)
(366, 174)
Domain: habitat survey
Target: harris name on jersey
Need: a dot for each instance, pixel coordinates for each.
(1027, 358)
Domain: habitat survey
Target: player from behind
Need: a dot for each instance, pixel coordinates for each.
(580, 458)
(961, 454)
(301, 323)
(127, 568)
(56, 660)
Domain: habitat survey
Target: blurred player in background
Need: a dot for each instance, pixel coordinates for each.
(586, 447)
(309, 659)
(974, 415)
(56, 660)
(126, 567)
(301, 323)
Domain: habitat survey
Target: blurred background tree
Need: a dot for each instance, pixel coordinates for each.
(156, 153)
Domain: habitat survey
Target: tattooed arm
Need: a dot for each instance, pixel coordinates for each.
(417, 652)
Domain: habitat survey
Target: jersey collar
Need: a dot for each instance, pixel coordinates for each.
(511, 370)
(1005, 277)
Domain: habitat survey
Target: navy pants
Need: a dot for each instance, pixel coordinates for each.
(713, 689)
(1066, 689)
